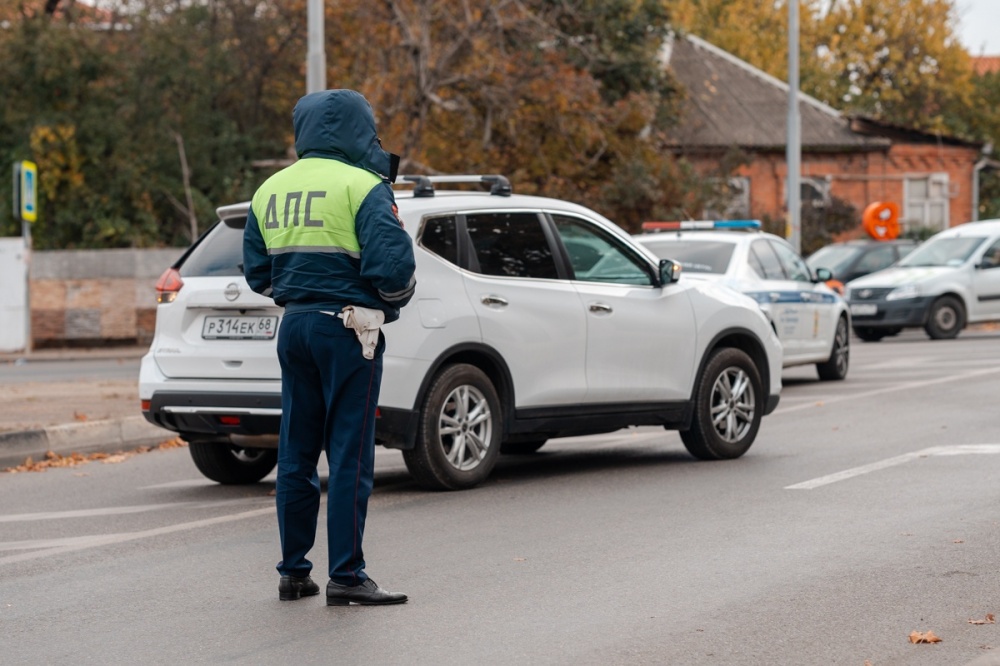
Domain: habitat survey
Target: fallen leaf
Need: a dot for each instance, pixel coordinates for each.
(925, 637)
(989, 619)
(79, 416)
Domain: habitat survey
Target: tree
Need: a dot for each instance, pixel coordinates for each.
(896, 60)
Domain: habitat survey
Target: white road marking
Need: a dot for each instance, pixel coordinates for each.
(60, 546)
(908, 386)
(961, 449)
(120, 510)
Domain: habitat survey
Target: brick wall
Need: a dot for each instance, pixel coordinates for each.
(863, 178)
(95, 297)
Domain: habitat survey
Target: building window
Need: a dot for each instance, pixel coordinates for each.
(814, 192)
(926, 202)
(732, 201)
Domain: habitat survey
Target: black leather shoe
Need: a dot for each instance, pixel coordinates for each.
(291, 588)
(367, 593)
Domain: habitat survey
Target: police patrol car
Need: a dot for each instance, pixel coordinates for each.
(533, 318)
(811, 320)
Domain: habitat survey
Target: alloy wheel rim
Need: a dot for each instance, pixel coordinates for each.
(843, 347)
(733, 404)
(465, 427)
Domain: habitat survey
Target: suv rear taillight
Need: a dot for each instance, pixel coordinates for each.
(168, 285)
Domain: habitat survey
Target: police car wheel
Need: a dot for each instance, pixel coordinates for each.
(835, 367)
(728, 406)
(226, 463)
(459, 431)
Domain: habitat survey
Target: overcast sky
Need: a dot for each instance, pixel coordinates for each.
(979, 26)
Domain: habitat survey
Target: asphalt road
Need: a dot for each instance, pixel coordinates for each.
(866, 510)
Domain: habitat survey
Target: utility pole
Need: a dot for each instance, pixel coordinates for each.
(793, 149)
(316, 57)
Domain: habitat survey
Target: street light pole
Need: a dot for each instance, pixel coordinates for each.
(316, 57)
(793, 149)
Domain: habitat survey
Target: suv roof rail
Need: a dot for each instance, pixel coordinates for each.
(424, 185)
(691, 225)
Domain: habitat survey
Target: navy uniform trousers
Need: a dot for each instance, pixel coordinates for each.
(329, 392)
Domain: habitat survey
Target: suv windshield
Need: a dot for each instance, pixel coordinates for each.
(833, 257)
(706, 256)
(220, 252)
(943, 252)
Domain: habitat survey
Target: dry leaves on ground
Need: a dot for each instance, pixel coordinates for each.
(923, 637)
(53, 459)
(989, 619)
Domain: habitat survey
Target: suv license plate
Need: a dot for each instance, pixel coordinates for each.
(864, 309)
(239, 327)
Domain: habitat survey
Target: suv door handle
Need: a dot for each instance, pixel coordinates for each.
(489, 299)
(601, 307)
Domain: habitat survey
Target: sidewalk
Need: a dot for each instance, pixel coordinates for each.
(68, 415)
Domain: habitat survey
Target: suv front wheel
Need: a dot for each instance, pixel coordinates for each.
(727, 407)
(226, 463)
(459, 431)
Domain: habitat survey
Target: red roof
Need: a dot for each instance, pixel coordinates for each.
(983, 65)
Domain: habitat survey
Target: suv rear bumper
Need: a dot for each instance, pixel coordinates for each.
(255, 414)
(216, 413)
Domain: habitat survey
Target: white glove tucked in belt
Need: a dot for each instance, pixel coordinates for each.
(366, 322)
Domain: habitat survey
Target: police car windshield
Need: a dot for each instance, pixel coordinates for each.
(951, 251)
(695, 256)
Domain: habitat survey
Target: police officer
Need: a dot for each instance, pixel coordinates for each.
(323, 239)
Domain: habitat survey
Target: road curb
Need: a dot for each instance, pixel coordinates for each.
(107, 436)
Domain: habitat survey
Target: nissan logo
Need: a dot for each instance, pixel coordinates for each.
(863, 294)
(232, 291)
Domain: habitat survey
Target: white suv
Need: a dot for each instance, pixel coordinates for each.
(533, 318)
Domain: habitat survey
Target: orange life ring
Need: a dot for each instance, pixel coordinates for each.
(881, 220)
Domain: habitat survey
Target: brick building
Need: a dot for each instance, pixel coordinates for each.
(731, 104)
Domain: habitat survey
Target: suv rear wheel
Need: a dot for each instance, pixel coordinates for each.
(727, 407)
(226, 463)
(459, 431)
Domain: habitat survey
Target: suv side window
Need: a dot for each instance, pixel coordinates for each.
(510, 245)
(596, 257)
(438, 236)
(793, 264)
(220, 252)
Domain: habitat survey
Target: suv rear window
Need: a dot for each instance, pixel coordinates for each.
(220, 252)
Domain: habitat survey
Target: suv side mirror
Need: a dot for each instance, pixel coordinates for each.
(670, 271)
(823, 274)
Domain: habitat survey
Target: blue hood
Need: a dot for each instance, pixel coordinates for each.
(339, 124)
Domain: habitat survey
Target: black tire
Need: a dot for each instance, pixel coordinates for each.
(229, 464)
(522, 447)
(869, 334)
(835, 368)
(461, 454)
(731, 433)
(945, 319)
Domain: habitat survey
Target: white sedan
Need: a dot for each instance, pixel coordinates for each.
(811, 320)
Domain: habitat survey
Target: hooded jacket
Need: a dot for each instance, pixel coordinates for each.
(322, 233)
